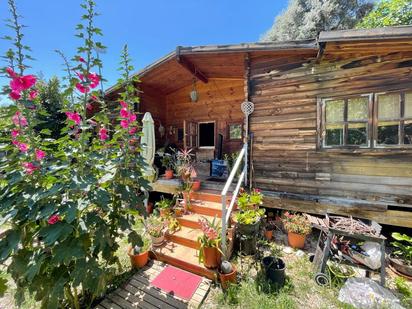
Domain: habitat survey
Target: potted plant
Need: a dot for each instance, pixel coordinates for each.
(273, 266)
(249, 217)
(196, 185)
(168, 163)
(139, 255)
(164, 206)
(401, 258)
(209, 251)
(269, 231)
(155, 227)
(227, 274)
(173, 224)
(297, 226)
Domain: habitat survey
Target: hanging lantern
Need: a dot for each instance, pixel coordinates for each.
(194, 96)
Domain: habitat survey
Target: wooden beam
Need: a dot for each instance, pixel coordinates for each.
(189, 66)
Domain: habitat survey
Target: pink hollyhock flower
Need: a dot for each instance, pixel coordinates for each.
(15, 95)
(11, 73)
(94, 80)
(23, 147)
(81, 88)
(74, 116)
(123, 104)
(40, 154)
(124, 113)
(20, 83)
(124, 124)
(29, 167)
(15, 133)
(132, 117)
(33, 94)
(132, 130)
(53, 219)
(15, 142)
(89, 107)
(19, 120)
(81, 59)
(103, 134)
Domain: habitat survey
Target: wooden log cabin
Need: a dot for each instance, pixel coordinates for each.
(331, 130)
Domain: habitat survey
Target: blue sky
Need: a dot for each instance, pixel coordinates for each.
(150, 28)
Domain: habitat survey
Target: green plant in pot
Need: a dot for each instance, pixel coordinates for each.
(164, 206)
(168, 162)
(155, 227)
(139, 255)
(298, 227)
(401, 258)
(209, 251)
(249, 217)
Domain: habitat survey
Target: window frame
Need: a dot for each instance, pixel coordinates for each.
(372, 143)
(322, 110)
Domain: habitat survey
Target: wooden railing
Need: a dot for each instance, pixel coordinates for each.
(226, 211)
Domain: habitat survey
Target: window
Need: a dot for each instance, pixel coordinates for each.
(206, 134)
(367, 121)
(235, 131)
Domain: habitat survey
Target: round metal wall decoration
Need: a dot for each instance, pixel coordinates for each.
(247, 108)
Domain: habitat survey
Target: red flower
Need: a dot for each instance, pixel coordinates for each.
(20, 83)
(94, 80)
(40, 154)
(132, 130)
(124, 124)
(132, 117)
(123, 104)
(29, 167)
(74, 116)
(81, 59)
(81, 88)
(103, 134)
(33, 94)
(15, 133)
(23, 147)
(11, 73)
(19, 120)
(124, 113)
(15, 95)
(53, 219)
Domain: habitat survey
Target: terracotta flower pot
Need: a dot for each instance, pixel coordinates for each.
(138, 260)
(211, 257)
(164, 212)
(296, 240)
(269, 234)
(196, 185)
(178, 212)
(169, 174)
(149, 208)
(225, 279)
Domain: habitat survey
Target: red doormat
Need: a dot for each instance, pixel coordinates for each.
(177, 282)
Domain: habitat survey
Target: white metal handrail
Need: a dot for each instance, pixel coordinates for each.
(227, 211)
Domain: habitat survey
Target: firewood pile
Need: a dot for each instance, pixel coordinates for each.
(354, 226)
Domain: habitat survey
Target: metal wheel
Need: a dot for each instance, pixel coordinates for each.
(321, 279)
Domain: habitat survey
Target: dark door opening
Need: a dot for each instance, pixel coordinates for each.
(207, 134)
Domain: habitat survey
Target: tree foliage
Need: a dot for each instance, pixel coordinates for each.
(69, 199)
(388, 13)
(305, 19)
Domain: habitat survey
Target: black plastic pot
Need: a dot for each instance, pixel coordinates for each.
(275, 270)
(248, 229)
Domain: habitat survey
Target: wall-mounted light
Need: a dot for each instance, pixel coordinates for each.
(194, 96)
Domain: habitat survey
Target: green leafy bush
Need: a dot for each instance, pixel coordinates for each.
(403, 244)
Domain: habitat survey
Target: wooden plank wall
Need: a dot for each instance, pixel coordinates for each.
(285, 157)
(219, 100)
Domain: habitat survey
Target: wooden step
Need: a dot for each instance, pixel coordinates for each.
(206, 208)
(208, 195)
(192, 220)
(183, 257)
(185, 236)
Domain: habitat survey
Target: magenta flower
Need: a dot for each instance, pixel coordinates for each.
(132, 117)
(74, 116)
(19, 120)
(123, 104)
(11, 73)
(15, 133)
(89, 107)
(103, 134)
(15, 95)
(94, 80)
(81, 88)
(94, 98)
(40, 154)
(33, 94)
(124, 113)
(53, 219)
(81, 59)
(20, 83)
(132, 130)
(23, 147)
(124, 124)
(29, 167)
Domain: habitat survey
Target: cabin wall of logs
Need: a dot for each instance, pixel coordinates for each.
(287, 160)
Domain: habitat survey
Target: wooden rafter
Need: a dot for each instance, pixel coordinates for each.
(190, 67)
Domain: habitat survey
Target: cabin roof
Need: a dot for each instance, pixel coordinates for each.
(175, 70)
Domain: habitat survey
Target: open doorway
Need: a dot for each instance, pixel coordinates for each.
(206, 135)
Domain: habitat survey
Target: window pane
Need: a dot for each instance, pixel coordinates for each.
(408, 105)
(408, 132)
(334, 135)
(388, 133)
(334, 111)
(357, 134)
(388, 106)
(358, 108)
(235, 131)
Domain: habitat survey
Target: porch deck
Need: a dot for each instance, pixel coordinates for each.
(138, 293)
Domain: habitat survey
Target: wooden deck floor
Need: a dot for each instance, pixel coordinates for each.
(138, 293)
